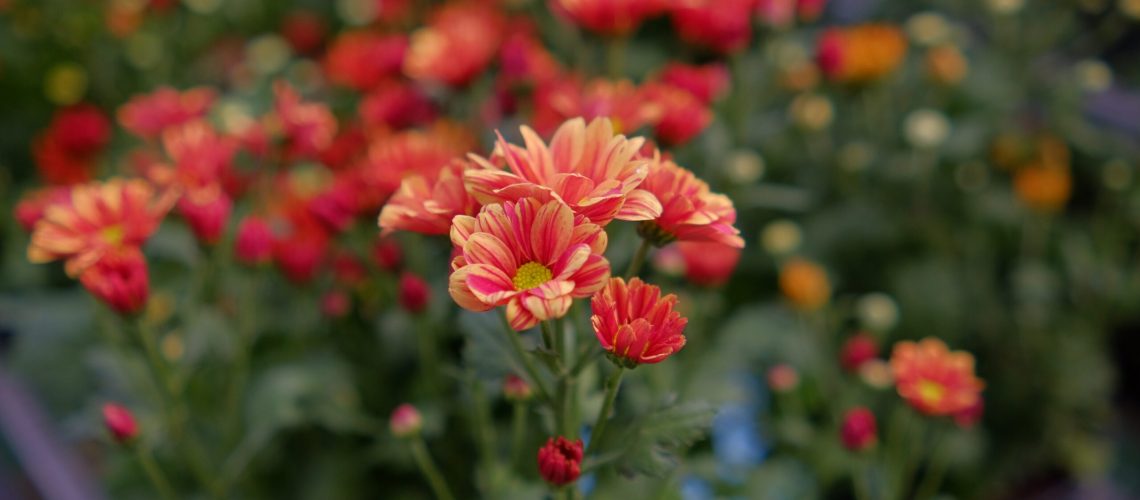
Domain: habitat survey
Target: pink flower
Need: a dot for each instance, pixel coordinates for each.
(206, 211)
(560, 461)
(532, 257)
(415, 294)
(405, 421)
(120, 280)
(148, 115)
(859, 430)
(635, 324)
(309, 127)
(690, 211)
(254, 242)
(708, 264)
(707, 83)
(362, 60)
(608, 17)
(857, 350)
(683, 116)
(589, 168)
(120, 422)
(426, 205)
(724, 26)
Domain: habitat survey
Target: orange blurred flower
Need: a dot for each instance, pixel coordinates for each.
(608, 17)
(148, 115)
(459, 41)
(97, 219)
(804, 283)
(590, 168)
(946, 65)
(690, 211)
(635, 324)
(1043, 188)
(427, 203)
(933, 379)
(532, 257)
(861, 54)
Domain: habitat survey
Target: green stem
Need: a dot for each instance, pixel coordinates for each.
(518, 433)
(154, 473)
(429, 470)
(638, 259)
(548, 338)
(615, 57)
(859, 475)
(612, 385)
(429, 354)
(531, 372)
(935, 470)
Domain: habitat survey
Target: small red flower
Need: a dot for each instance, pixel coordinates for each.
(362, 60)
(254, 241)
(148, 115)
(516, 389)
(707, 83)
(608, 17)
(120, 423)
(708, 264)
(387, 254)
(335, 304)
(859, 430)
(304, 30)
(459, 41)
(120, 280)
(405, 421)
(207, 212)
(81, 129)
(683, 115)
(309, 127)
(724, 26)
(415, 294)
(560, 461)
(858, 349)
(783, 378)
(635, 324)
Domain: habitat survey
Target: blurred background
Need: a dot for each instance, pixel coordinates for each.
(973, 178)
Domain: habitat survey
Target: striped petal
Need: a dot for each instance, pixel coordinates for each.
(490, 285)
(461, 293)
(544, 309)
(553, 227)
(485, 248)
(519, 317)
(640, 205)
(591, 277)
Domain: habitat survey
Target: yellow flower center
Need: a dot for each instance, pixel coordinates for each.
(930, 392)
(530, 275)
(113, 235)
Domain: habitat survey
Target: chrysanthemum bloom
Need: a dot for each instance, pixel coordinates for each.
(933, 379)
(32, 205)
(635, 324)
(690, 211)
(207, 211)
(148, 115)
(627, 106)
(200, 158)
(524, 59)
(362, 60)
(608, 17)
(81, 129)
(1043, 188)
(683, 116)
(804, 283)
(120, 422)
(724, 26)
(532, 257)
(859, 430)
(405, 421)
(414, 152)
(857, 350)
(459, 41)
(99, 218)
(708, 263)
(119, 279)
(860, 54)
(707, 83)
(254, 241)
(308, 127)
(560, 461)
(58, 167)
(590, 168)
(426, 204)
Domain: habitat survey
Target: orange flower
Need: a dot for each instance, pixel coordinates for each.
(861, 54)
(427, 203)
(1043, 188)
(532, 257)
(933, 379)
(149, 115)
(804, 284)
(590, 168)
(99, 218)
(457, 44)
(608, 17)
(635, 324)
(690, 211)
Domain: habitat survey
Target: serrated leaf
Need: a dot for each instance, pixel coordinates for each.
(651, 443)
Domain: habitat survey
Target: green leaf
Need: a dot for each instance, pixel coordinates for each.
(651, 444)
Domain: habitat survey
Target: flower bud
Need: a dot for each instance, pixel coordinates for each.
(335, 304)
(414, 293)
(858, 349)
(387, 254)
(254, 242)
(120, 423)
(406, 421)
(859, 430)
(516, 389)
(560, 461)
(805, 284)
(782, 378)
(120, 280)
(206, 213)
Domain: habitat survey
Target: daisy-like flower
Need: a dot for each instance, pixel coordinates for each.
(635, 324)
(149, 115)
(690, 211)
(458, 43)
(532, 257)
(933, 379)
(426, 204)
(98, 218)
(589, 168)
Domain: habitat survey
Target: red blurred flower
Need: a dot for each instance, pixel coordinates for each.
(724, 26)
(458, 42)
(56, 166)
(335, 304)
(783, 378)
(532, 257)
(202, 158)
(635, 324)
(859, 430)
(683, 116)
(860, 54)
(707, 83)
(309, 127)
(348, 269)
(304, 30)
(345, 148)
(608, 17)
(31, 207)
(301, 253)
(120, 422)
(396, 105)
(391, 159)
(708, 264)
(933, 379)
(560, 461)
(858, 349)
(361, 59)
(690, 211)
(810, 10)
(590, 168)
(207, 212)
(66, 151)
(405, 421)
(254, 241)
(148, 115)
(516, 389)
(387, 254)
(119, 279)
(524, 59)
(626, 106)
(426, 204)
(414, 294)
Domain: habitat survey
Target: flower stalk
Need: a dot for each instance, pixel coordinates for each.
(428, 468)
(612, 385)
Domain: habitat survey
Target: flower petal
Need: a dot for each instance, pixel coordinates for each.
(640, 205)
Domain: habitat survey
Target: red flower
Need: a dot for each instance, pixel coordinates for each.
(309, 127)
(707, 83)
(362, 60)
(120, 280)
(396, 105)
(635, 324)
(81, 129)
(304, 30)
(387, 254)
(207, 212)
(724, 26)
(405, 421)
(690, 211)
(254, 241)
(31, 207)
(560, 461)
(933, 379)
(148, 115)
(516, 389)
(56, 166)
(625, 106)
(426, 204)
(120, 422)
(683, 115)
(459, 41)
(415, 294)
(607, 17)
(859, 430)
(523, 59)
(335, 304)
(708, 264)
(858, 349)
